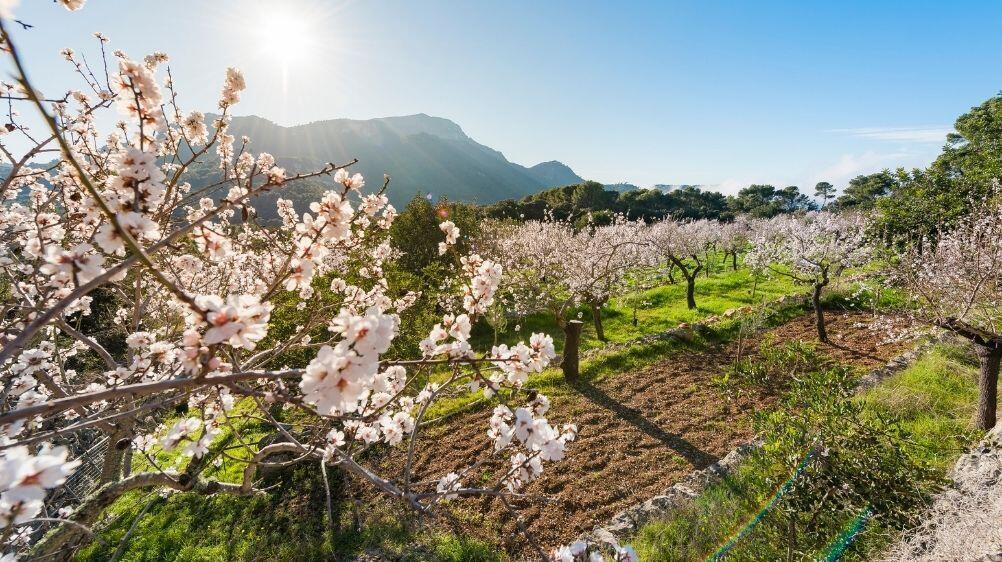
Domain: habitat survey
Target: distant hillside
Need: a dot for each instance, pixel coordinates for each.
(419, 152)
(553, 173)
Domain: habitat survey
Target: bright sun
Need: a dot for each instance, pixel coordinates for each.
(285, 36)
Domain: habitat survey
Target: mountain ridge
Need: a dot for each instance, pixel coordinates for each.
(421, 153)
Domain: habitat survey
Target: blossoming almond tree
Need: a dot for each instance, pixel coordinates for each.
(109, 236)
(684, 244)
(812, 249)
(552, 267)
(732, 239)
(957, 281)
(599, 261)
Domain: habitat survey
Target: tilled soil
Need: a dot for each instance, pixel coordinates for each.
(640, 432)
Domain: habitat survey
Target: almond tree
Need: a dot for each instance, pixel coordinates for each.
(733, 239)
(552, 267)
(957, 281)
(684, 244)
(194, 284)
(813, 249)
(600, 260)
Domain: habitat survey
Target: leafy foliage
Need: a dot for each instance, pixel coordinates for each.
(922, 201)
(765, 201)
(415, 232)
(687, 202)
(860, 460)
(773, 367)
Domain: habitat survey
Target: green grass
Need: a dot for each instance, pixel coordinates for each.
(658, 309)
(289, 523)
(933, 400)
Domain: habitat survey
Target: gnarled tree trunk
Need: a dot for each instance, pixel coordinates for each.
(690, 291)
(990, 357)
(818, 313)
(118, 442)
(690, 279)
(111, 465)
(989, 349)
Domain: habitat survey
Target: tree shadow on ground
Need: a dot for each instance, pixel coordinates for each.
(696, 456)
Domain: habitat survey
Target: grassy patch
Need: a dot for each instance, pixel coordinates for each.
(658, 309)
(289, 523)
(934, 400)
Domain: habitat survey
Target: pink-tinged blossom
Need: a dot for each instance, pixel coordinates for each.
(194, 128)
(232, 86)
(451, 232)
(353, 182)
(73, 5)
(25, 477)
(198, 277)
(81, 264)
(240, 321)
(7, 8)
(179, 432)
(336, 379)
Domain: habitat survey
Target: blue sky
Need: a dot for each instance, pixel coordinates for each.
(721, 93)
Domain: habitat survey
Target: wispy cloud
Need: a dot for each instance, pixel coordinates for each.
(837, 171)
(851, 165)
(848, 166)
(935, 133)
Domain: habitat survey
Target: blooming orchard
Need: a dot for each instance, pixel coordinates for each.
(148, 316)
(602, 260)
(732, 239)
(129, 294)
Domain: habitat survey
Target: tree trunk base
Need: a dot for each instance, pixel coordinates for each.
(596, 313)
(819, 315)
(572, 346)
(988, 384)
